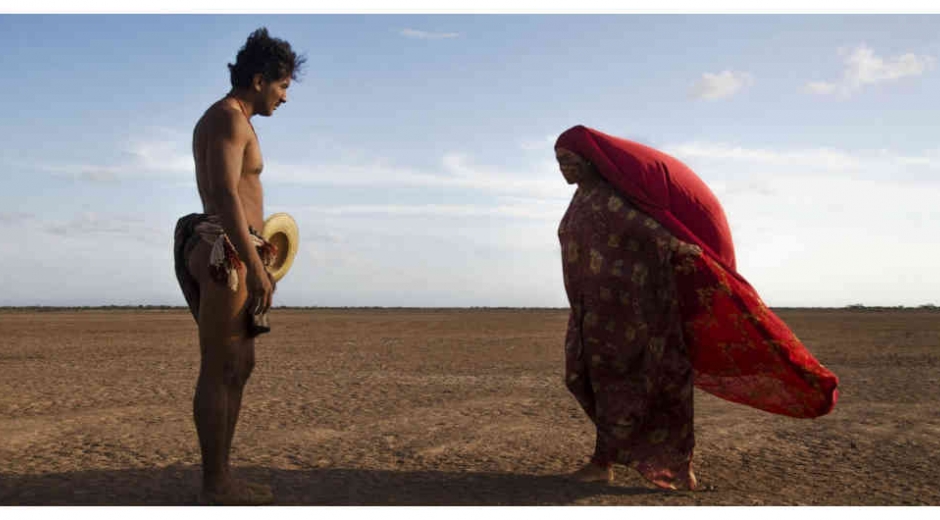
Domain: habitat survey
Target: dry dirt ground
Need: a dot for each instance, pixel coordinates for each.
(438, 407)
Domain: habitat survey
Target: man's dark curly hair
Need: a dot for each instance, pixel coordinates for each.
(271, 57)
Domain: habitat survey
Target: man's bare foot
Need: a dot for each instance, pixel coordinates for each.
(591, 472)
(238, 493)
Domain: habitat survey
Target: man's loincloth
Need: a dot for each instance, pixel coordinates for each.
(223, 260)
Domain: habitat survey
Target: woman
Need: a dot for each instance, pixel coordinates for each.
(656, 305)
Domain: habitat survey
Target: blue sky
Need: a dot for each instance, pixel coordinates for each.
(416, 151)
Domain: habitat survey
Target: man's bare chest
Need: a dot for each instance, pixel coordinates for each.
(252, 161)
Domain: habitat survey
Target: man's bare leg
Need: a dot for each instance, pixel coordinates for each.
(226, 364)
(235, 401)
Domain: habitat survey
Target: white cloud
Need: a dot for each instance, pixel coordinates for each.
(93, 223)
(926, 161)
(85, 172)
(880, 164)
(826, 158)
(426, 35)
(838, 240)
(864, 67)
(17, 217)
(491, 239)
(156, 152)
(821, 87)
(721, 85)
(166, 156)
(540, 210)
(162, 156)
(88, 259)
(457, 172)
(449, 255)
(824, 226)
(546, 143)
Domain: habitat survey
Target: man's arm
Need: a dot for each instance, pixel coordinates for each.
(228, 139)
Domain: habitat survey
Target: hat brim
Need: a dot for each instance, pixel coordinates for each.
(280, 229)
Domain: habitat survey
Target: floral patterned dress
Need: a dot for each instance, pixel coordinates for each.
(626, 361)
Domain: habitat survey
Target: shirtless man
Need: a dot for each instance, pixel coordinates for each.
(221, 260)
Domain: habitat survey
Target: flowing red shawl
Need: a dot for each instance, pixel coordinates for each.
(741, 351)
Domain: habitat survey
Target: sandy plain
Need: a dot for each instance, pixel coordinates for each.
(438, 407)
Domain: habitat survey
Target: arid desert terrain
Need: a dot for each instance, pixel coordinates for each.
(438, 407)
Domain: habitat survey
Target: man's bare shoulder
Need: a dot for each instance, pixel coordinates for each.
(222, 120)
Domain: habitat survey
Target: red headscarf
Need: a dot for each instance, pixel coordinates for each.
(741, 351)
(660, 185)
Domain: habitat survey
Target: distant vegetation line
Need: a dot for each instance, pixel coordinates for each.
(50, 308)
(57, 308)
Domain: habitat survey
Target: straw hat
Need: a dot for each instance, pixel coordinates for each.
(281, 230)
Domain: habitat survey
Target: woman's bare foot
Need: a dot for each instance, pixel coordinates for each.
(237, 493)
(591, 472)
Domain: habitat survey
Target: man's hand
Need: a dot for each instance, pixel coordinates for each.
(272, 280)
(260, 290)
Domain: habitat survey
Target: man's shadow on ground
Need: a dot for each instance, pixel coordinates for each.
(178, 485)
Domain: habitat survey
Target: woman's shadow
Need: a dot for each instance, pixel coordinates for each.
(178, 485)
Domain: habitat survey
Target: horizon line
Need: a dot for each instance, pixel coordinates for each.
(928, 306)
